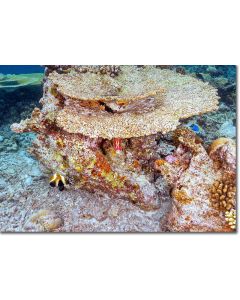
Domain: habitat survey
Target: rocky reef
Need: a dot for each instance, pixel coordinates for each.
(109, 142)
(100, 132)
(203, 184)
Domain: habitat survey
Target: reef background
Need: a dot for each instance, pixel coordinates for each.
(24, 189)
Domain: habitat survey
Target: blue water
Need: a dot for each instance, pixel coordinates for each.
(23, 69)
(14, 103)
(228, 71)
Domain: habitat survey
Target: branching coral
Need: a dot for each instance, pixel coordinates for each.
(230, 217)
(201, 192)
(223, 192)
(223, 195)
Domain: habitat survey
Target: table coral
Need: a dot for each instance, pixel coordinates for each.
(163, 95)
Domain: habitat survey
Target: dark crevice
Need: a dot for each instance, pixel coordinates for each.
(107, 108)
(101, 147)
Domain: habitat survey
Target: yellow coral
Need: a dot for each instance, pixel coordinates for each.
(114, 179)
(58, 157)
(159, 163)
(41, 213)
(53, 225)
(165, 168)
(60, 143)
(181, 196)
(122, 102)
(230, 217)
(64, 166)
(50, 116)
(91, 163)
(79, 168)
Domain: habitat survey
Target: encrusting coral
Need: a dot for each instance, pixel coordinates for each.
(99, 127)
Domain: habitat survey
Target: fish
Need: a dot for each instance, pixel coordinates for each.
(117, 144)
(58, 180)
(195, 128)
